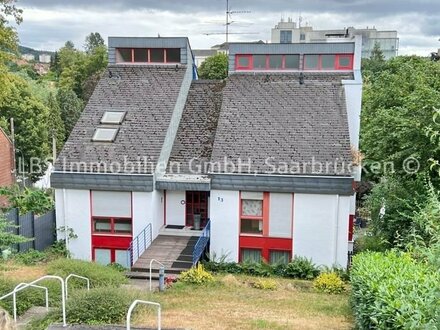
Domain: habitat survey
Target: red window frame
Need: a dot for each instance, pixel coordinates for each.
(336, 66)
(240, 257)
(279, 250)
(264, 216)
(148, 50)
(265, 244)
(267, 62)
(112, 226)
(112, 252)
(237, 61)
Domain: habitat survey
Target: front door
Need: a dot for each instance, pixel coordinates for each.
(196, 203)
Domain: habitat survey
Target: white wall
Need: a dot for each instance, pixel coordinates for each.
(280, 215)
(353, 98)
(73, 211)
(321, 228)
(157, 201)
(224, 209)
(175, 210)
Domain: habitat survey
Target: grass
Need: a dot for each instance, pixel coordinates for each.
(235, 304)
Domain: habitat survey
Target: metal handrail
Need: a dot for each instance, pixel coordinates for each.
(76, 276)
(26, 285)
(139, 244)
(133, 305)
(201, 243)
(14, 297)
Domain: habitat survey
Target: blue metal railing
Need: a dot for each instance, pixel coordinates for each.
(201, 243)
(139, 244)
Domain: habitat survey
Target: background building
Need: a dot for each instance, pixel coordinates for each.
(6, 164)
(44, 58)
(291, 32)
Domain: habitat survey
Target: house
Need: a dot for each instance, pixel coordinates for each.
(258, 165)
(6, 164)
(291, 32)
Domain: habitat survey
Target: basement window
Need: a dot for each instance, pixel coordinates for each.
(113, 117)
(105, 134)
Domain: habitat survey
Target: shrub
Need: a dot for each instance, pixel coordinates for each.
(31, 257)
(265, 284)
(99, 306)
(196, 275)
(99, 275)
(329, 283)
(392, 291)
(301, 268)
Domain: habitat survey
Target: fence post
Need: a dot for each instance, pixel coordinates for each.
(33, 229)
(17, 223)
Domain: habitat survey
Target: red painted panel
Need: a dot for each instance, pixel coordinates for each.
(350, 227)
(121, 242)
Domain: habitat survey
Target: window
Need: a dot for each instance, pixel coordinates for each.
(140, 55)
(122, 258)
(285, 37)
(113, 117)
(252, 207)
(279, 257)
(122, 226)
(103, 256)
(291, 62)
(102, 226)
(259, 61)
(112, 226)
(249, 226)
(173, 55)
(107, 256)
(243, 62)
(302, 36)
(123, 55)
(275, 62)
(250, 255)
(328, 62)
(157, 55)
(252, 215)
(105, 134)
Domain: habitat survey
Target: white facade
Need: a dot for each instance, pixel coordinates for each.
(175, 208)
(44, 58)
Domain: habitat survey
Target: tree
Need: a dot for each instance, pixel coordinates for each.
(214, 67)
(93, 41)
(71, 107)
(7, 237)
(375, 64)
(56, 124)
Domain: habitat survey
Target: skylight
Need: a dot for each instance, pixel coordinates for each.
(113, 117)
(105, 134)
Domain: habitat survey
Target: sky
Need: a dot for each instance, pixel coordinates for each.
(48, 24)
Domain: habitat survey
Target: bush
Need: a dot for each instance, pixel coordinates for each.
(392, 291)
(329, 283)
(301, 268)
(196, 275)
(265, 284)
(99, 275)
(31, 257)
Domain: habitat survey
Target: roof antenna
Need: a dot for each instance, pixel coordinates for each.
(301, 78)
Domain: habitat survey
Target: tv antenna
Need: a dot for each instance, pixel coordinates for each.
(229, 20)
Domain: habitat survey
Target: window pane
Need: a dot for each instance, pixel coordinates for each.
(102, 226)
(285, 37)
(344, 61)
(103, 256)
(275, 62)
(328, 61)
(279, 257)
(122, 258)
(252, 207)
(173, 55)
(123, 55)
(112, 117)
(259, 61)
(122, 226)
(105, 134)
(243, 61)
(157, 55)
(292, 61)
(302, 37)
(251, 255)
(311, 61)
(251, 226)
(141, 55)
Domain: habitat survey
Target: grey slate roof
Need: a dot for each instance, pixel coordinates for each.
(195, 135)
(273, 115)
(148, 94)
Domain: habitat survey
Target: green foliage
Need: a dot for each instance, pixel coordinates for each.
(264, 284)
(214, 67)
(196, 275)
(329, 283)
(369, 241)
(375, 64)
(56, 125)
(71, 107)
(31, 257)
(302, 268)
(393, 291)
(93, 41)
(117, 267)
(99, 275)
(99, 306)
(7, 237)
(26, 200)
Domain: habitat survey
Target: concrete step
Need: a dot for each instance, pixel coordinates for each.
(35, 312)
(145, 274)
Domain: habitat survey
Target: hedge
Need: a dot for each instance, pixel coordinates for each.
(393, 291)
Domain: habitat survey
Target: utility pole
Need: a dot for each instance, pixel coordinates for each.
(227, 21)
(14, 162)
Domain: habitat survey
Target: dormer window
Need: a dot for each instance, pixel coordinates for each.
(113, 117)
(272, 62)
(105, 134)
(148, 55)
(328, 62)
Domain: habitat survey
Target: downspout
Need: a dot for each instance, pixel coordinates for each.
(335, 263)
(66, 226)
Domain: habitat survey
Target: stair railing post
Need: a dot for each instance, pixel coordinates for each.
(137, 244)
(145, 240)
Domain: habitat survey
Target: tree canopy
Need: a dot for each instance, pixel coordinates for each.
(214, 67)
